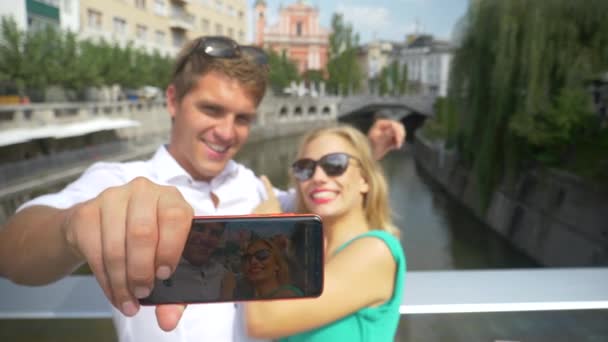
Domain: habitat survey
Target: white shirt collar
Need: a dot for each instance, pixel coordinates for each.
(168, 169)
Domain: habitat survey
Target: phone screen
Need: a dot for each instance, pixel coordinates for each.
(242, 258)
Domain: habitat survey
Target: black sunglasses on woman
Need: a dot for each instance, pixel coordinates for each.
(333, 164)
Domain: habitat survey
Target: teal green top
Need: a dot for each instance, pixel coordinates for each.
(292, 288)
(376, 324)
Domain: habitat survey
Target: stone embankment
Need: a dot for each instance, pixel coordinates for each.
(554, 217)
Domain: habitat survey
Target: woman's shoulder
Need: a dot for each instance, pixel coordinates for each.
(377, 238)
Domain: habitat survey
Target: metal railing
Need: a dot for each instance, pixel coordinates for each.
(424, 292)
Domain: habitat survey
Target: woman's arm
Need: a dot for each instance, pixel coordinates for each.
(359, 276)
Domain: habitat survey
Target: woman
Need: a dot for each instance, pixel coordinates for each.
(337, 178)
(267, 271)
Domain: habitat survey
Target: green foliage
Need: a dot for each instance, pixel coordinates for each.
(441, 127)
(313, 76)
(282, 71)
(12, 53)
(345, 74)
(384, 85)
(402, 85)
(37, 59)
(555, 127)
(393, 79)
(518, 83)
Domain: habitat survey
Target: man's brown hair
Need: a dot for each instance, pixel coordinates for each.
(189, 66)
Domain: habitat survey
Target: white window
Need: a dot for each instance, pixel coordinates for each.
(160, 37)
(231, 32)
(141, 31)
(67, 6)
(94, 19)
(178, 39)
(205, 26)
(141, 4)
(120, 25)
(219, 30)
(54, 3)
(160, 8)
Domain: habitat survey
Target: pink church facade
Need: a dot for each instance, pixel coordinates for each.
(297, 32)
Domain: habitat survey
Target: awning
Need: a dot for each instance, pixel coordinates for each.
(60, 131)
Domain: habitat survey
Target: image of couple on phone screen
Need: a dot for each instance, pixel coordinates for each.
(238, 261)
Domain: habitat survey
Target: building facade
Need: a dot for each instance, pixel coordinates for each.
(162, 25)
(153, 25)
(36, 14)
(297, 32)
(428, 63)
(373, 57)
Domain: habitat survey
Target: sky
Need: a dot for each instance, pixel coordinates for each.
(385, 19)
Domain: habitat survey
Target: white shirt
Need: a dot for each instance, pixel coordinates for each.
(195, 282)
(239, 192)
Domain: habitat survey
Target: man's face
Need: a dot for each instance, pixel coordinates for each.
(210, 124)
(202, 242)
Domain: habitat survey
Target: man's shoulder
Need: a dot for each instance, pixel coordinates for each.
(244, 175)
(242, 171)
(127, 169)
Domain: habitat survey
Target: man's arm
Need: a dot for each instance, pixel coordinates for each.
(385, 135)
(33, 248)
(127, 234)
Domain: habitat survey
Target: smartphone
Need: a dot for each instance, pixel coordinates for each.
(244, 258)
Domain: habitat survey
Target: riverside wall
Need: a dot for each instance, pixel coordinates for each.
(554, 217)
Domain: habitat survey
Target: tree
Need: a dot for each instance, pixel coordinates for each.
(31, 61)
(403, 81)
(12, 54)
(393, 79)
(518, 82)
(345, 74)
(282, 71)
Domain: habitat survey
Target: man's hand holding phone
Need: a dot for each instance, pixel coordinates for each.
(246, 257)
(129, 235)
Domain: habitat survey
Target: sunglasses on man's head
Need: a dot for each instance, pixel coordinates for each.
(260, 255)
(333, 164)
(224, 47)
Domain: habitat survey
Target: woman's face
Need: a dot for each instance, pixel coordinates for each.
(259, 263)
(332, 196)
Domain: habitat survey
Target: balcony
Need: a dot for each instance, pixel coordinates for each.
(181, 20)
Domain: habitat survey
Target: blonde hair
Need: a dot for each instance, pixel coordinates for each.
(283, 276)
(189, 66)
(376, 202)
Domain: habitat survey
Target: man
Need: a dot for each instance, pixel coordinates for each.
(130, 221)
(199, 276)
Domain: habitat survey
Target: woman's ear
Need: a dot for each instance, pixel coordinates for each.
(363, 186)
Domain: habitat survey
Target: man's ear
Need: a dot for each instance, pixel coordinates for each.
(171, 96)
